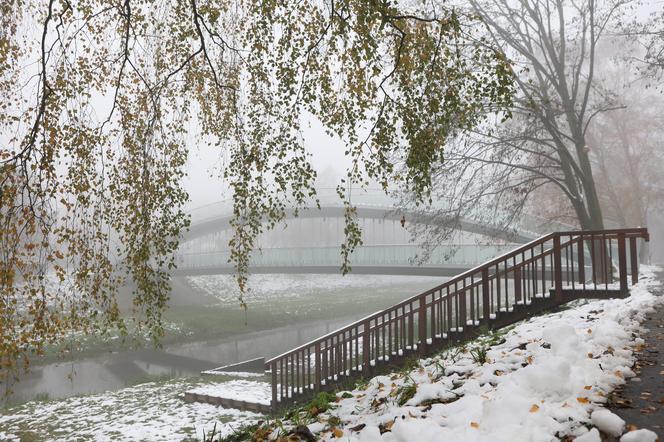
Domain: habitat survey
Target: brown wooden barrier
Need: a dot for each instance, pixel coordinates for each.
(549, 271)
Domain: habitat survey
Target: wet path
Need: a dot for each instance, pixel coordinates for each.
(640, 402)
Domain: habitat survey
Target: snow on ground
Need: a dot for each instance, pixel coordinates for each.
(235, 374)
(267, 288)
(241, 390)
(541, 383)
(148, 412)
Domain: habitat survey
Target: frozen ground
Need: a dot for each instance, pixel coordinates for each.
(264, 288)
(541, 381)
(544, 379)
(148, 412)
(241, 390)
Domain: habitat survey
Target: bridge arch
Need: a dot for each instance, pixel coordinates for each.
(203, 250)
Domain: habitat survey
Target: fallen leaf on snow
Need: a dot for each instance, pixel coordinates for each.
(358, 428)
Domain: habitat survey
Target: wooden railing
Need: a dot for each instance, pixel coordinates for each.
(549, 271)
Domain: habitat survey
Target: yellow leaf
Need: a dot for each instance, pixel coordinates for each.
(534, 408)
(337, 433)
(474, 425)
(587, 387)
(583, 400)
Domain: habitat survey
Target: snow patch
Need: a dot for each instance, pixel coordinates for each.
(239, 390)
(642, 435)
(547, 380)
(608, 422)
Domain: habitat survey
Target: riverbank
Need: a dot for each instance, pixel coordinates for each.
(546, 378)
(206, 328)
(148, 412)
(206, 307)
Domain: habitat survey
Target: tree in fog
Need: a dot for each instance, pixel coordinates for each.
(628, 145)
(630, 160)
(101, 102)
(492, 172)
(650, 33)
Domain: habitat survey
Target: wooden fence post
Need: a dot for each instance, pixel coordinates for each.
(422, 325)
(462, 320)
(622, 264)
(517, 285)
(486, 297)
(634, 259)
(366, 349)
(581, 261)
(273, 368)
(318, 368)
(450, 317)
(557, 269)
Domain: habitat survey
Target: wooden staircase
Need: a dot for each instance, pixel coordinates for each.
(543, 274)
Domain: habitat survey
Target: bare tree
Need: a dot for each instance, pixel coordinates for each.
(492, 172)
(630, 158)
(649, 33)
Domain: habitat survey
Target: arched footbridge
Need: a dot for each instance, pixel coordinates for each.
(310, 242)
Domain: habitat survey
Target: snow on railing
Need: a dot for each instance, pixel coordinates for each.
(546, 272)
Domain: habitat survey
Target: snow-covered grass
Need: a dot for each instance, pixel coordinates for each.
(274, 301)
(544, 379)
(240, 390)
(540, 381)
(277, 287)
(147, 412)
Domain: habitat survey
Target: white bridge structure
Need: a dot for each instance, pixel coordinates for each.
(310, 242)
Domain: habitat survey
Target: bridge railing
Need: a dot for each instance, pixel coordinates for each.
(548, 271)
(374, 255)
(378, 199)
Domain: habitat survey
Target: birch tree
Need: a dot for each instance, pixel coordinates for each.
(101, 101)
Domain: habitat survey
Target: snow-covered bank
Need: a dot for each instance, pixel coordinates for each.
(540, 382)
(544, 379)
(147, 412)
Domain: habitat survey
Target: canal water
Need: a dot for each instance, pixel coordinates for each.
(116, 370)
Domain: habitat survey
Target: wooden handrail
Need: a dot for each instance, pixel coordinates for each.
(356, 348)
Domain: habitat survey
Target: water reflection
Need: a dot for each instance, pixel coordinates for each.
(117, 370)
